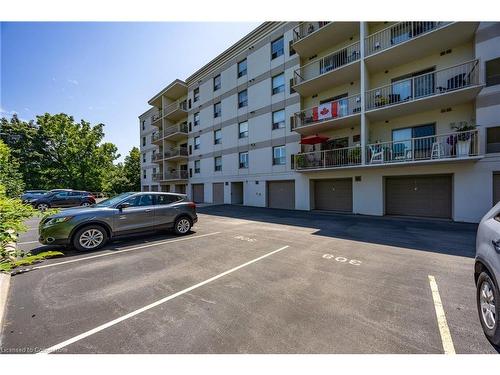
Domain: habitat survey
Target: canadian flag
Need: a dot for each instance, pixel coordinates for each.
(325, 111)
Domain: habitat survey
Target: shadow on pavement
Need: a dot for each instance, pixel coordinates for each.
(437, 236)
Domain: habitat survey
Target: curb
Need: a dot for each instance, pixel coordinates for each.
(4, 292)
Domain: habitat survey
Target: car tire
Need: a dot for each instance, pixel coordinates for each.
(89, 238)
(488, 306)
(42, 206)
(182, 225)
(86, 204)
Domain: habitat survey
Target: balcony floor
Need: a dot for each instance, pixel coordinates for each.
(346, 73)
(176, 115)
(331, 124)
(432, 42)
(426, 103)
(325, 37)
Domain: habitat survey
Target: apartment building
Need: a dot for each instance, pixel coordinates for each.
(375, 118)
(149, 167)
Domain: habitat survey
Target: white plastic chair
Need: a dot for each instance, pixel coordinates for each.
(437, 150)
(377, 155)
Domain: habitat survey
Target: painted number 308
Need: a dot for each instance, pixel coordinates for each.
(342, 259)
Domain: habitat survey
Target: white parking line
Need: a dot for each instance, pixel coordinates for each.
(444, 330)
(124, 250)
(154, 304)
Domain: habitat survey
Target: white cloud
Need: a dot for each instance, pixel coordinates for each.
(73, 82)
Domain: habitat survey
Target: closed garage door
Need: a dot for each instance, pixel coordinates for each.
(334, 195)
(198, 193)
(427, 196)
(281, 194)
(218, 193)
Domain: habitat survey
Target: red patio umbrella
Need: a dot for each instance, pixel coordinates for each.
(313, 139)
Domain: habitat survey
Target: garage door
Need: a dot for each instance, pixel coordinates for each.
(333, 195)
(428, 196)
(496, 187)
(198, 193)
(218, 193)
(281, 194)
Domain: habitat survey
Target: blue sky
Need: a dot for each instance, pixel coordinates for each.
(102, 72)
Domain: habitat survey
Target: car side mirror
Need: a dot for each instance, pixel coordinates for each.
(123, 205)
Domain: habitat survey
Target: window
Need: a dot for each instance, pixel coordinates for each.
(167, 199)
(144, 157)
(292, 90)
(243, 160)
(243, 129)
(217, 137)
(140, 200)
(144, 174)
(279, 155)
(493, 139)
(242, 68)
(242, 99)
(291, 51)
(196, 94)
(279, 119)
(218, 163)
(144, 141)
(217, 82)
(278, 83)
(143, 125)
(196, 166)
(356, 139)
(493, 72)
(196, 119)
(402, 141)
(153, 155)
(217, 110)
(277, 48)
(196, 143)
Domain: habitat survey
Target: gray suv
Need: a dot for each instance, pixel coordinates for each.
(90, 228)
(487, 274)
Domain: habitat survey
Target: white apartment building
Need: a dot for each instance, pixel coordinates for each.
(374, 118)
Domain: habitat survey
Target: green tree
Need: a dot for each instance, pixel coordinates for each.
(10, 178)
(73, 154)
(132, 169)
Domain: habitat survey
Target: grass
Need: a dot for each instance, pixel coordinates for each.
(29, 260)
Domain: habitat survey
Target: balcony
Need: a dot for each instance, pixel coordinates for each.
(404, 42)
(176, 153)
(311, 37)
(339, 67)
(157, 116)
(176, 111)
(158, 156)
(157, 177)
(176, 176)
(437, 89)
(457, 146)
(157, 137)
(176, 132)
(329, 116)
(338, 158)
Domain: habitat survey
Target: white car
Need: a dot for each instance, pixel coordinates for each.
(487, 273)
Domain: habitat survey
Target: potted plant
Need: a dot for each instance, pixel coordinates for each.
(463, 138)
(354, 155)
(300, 161)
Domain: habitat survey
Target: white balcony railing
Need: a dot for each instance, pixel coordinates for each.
(455, 145)
(177, 105)
(176, 175)
(179, 128)
(306, 28)
(424, 85)
(157, 177)
(337, 158)
(328, 63)
(176, 151)
(398, 33)
(328, 111)
(156, 116)
(156, 136)
(435, 147)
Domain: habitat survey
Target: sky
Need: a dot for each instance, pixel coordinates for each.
(103, 72)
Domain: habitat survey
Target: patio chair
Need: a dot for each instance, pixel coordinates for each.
(437, 151)
(377, 154)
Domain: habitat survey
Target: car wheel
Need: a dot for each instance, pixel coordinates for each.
(91, 237)
(42, 206)
(182, 225)
(487, 298)
(85, 204)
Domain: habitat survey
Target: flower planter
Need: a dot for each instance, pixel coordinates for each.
(463, 148)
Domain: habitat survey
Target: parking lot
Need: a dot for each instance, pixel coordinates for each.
(255, 280)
